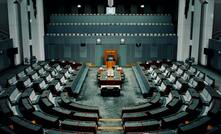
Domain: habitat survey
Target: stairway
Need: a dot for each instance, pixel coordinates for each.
(110, 125)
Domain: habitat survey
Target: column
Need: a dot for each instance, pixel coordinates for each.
(25, 31)
(37, 26)
(206, 28)
(196, 30)
(14, 28)
(183, 33)
(40, 19)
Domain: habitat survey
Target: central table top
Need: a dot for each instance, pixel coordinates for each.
(110, 76)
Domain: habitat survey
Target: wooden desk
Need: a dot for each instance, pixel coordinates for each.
(114, 78)
(110, 81)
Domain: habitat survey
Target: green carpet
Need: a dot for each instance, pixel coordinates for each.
(110, 107)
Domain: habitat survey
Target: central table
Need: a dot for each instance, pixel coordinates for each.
(110, 80)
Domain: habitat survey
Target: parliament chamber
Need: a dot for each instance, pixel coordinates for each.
(110, 67)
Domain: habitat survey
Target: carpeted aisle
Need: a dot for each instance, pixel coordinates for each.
(110, 107)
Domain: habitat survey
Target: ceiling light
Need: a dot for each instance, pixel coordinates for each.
(122, 41)
(78, 6)
(142, 6)
(98, 41)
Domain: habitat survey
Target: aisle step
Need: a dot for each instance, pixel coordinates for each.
(110, 120)
(109, 128)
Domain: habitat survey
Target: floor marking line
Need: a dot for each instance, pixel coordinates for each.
(109, 128)
(110, 119)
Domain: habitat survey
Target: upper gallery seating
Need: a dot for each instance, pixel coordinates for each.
(113, 24)
(96, 18)
(32, 104)
(110, 25)
(65, 32)
(189, 101)
(126, 35)
(116, 28)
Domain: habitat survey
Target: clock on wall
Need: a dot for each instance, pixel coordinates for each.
(110, 10)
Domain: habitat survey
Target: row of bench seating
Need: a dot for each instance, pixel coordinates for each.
(111, 18)
(114, 34)
(178, 77)
(170, 121)
(131, 29)
(77, 84)
(113, 14)
(188, 101)
(50, 115)
(153, 109)
(28, 110)
(135, 24)
(67, 103)
(144, 87)
(50, 78)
